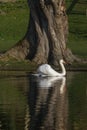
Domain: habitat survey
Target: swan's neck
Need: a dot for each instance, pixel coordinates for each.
(63, 69)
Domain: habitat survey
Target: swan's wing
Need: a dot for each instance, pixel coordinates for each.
(52, 72)
(47, 70)
(43, 69)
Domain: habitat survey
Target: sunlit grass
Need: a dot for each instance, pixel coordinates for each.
(78, 29)
(13, 23)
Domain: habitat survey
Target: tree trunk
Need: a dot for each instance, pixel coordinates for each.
(46, 37)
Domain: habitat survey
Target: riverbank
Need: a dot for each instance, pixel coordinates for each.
(31, 67)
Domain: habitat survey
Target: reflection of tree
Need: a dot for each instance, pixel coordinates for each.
(48, 105)
(5, 121)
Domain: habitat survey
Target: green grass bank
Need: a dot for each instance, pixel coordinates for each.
(14, 19)
(78, 28)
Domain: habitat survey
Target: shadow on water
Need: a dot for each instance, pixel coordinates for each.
(48, 103)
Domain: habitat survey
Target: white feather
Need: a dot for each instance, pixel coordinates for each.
(47, 70)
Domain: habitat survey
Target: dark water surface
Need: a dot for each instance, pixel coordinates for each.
(35, 103)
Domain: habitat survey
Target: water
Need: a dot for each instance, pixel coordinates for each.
(39, 103)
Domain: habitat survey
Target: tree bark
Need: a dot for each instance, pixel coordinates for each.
(46, 37)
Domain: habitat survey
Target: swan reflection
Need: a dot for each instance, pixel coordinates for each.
(46, 82)
(48, 103)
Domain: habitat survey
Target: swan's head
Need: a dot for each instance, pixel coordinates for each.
(62, 61)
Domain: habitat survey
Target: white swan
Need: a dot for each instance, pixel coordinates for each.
(47, 70)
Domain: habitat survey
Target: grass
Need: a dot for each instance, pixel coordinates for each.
(78, 29)
(78, 34)
(13, 65)
(14, 21)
